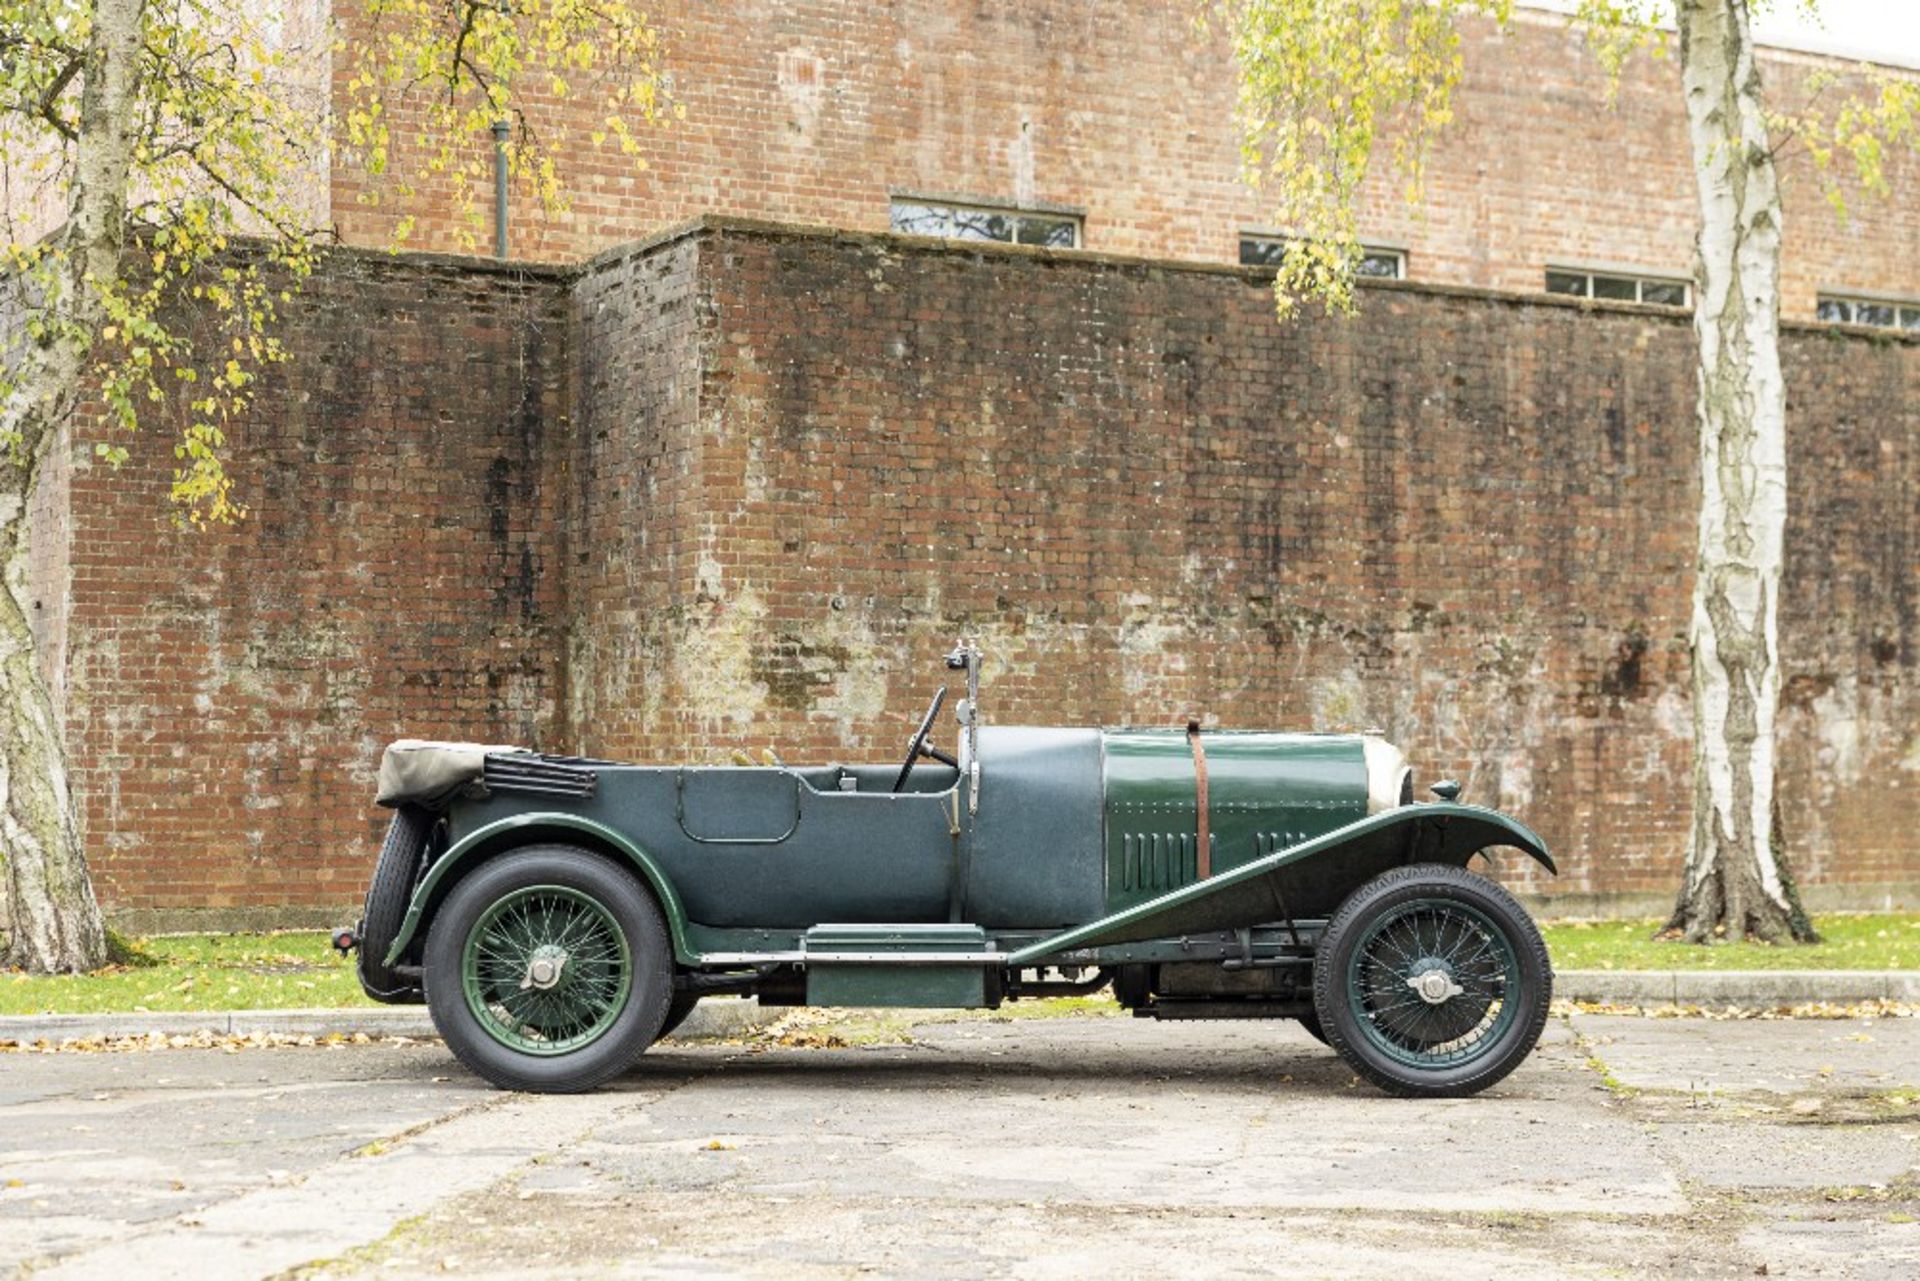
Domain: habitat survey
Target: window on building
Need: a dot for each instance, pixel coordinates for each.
(1887, 313)
(1376, 261)
(981, 222)
(1616, 288)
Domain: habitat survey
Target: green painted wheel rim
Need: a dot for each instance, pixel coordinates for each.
(546, 970)
(1401, 950)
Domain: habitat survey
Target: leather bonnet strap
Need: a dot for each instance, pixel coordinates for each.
(1200, 797)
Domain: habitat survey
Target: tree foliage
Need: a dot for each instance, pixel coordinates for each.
(1324, 86)
(232, 141)
(1333, 90)
(452, 68)
(1848, 136)
(228, 141)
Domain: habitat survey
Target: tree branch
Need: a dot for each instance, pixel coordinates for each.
(460, 51)
(45, 108)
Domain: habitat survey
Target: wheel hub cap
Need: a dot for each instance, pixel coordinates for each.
(543, 970)
(1434, 984)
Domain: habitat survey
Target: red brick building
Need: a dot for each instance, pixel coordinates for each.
(1117, 117)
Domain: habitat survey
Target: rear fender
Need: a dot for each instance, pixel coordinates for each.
(1306, 881)
(534, 829)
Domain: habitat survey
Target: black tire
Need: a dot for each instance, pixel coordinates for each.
(394, 877)
(677, 1011)
(1387, 1044)
(1311, 1022)
(634, 1024)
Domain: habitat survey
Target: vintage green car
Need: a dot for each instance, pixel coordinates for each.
(558, 915)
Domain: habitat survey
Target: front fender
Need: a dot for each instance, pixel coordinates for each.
(1326, 868)
(528, 829)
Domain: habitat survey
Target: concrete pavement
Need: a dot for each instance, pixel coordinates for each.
(981, 1146)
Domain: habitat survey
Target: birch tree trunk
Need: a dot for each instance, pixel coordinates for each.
(55, 920)
(1735, 875)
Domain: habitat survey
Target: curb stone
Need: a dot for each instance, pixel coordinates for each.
(1743, 989)
(713, 1017)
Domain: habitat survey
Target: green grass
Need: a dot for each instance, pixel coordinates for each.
(282, 971)
(1862, 942)
(196, 972)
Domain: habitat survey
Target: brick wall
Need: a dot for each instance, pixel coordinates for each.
(1464, 519)
(744, 485)
(229, 691)
(816, 110)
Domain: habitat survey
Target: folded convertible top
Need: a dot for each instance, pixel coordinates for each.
(417, 771)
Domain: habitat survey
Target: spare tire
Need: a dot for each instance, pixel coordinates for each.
(394, 877)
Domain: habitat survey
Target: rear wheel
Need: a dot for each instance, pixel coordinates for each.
(1432, 982)
(549, 969)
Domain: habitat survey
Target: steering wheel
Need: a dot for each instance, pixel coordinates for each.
(919, 748)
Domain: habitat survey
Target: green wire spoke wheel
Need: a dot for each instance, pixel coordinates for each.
(1432, 981)
(549, 968)
(1429, 980)
(546, 970)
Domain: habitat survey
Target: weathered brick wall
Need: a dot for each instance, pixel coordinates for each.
(229, 691)
(639, 501)
(817, 110)
(1465, 520)
(744, 485)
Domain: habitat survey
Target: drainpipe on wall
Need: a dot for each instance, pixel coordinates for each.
(499, 189)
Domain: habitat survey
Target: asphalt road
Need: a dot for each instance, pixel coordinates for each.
(975, 1148)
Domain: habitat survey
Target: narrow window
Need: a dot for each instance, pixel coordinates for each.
(1566, 282)
(1667, 293)
(1376, 261)
(1616, 289)
(1881, 312)
(984, 222)
(1385, 264)
(1616, 286)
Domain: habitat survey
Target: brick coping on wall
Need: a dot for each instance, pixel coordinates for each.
(734, 224)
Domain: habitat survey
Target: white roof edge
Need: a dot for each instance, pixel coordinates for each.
(1817, 43)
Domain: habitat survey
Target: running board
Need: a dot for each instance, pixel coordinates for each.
(900, 965)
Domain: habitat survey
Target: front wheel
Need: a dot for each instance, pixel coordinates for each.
(1432, 982)
(549, 969)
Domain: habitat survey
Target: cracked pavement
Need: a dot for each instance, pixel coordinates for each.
(974, 1146)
